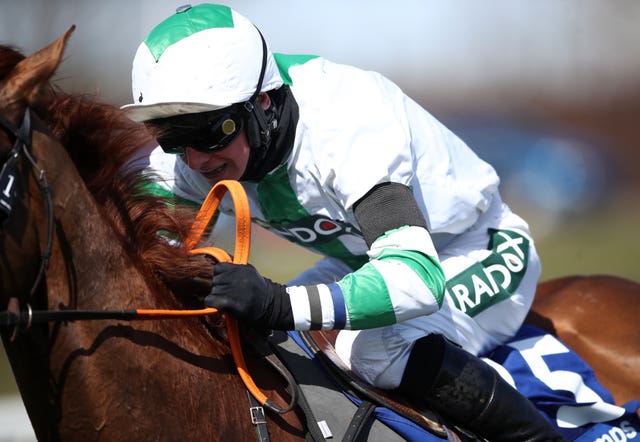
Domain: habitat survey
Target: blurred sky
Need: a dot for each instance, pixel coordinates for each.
(447, 51)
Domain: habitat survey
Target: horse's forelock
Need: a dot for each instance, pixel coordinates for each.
(100, 139)
(9, 58)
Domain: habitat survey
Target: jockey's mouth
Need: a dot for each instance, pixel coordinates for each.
(215, 172)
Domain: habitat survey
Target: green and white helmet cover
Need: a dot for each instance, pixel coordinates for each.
(202, 58)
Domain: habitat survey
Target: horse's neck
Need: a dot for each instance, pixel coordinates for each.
(89, 255)
(87, 251)
(82, 369)
(85, 256)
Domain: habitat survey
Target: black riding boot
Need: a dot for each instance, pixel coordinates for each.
(471, 393)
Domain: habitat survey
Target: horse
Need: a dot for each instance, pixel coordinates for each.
(106, 380)
(596, 316)
(93, 234)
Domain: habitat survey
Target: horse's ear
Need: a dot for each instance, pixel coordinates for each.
(25, 83)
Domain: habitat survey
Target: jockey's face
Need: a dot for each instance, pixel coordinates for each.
(228, 163)
(221, 153)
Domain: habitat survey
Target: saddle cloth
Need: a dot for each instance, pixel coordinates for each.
(561, 385)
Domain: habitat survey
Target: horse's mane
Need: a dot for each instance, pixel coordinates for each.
(100, 139)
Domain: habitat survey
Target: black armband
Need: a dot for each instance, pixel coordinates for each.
(385, 207)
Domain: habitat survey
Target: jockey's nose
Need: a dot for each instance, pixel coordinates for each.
(195, 159)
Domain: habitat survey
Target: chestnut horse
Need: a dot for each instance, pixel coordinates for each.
(105, 380)
(597, 317)
(172, 379)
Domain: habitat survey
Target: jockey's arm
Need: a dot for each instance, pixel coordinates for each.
(402, 279)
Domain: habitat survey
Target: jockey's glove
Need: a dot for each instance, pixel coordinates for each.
(241, 291)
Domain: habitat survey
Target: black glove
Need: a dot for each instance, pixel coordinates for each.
(248, 296)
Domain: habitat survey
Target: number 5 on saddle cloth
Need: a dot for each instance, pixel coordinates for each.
(559, 383)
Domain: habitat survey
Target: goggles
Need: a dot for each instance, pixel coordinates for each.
(203, 131)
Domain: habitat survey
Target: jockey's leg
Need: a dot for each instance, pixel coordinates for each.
(471, 393)
(492, 271)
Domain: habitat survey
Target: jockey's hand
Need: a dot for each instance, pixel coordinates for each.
(248, 296)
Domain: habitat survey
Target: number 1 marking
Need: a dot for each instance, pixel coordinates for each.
(7, 190)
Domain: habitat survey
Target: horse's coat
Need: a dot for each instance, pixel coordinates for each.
(597, 317)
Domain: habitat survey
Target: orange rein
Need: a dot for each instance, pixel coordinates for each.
(240, 256)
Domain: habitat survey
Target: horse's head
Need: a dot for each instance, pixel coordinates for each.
(80, 146)
(25, 201)
(106, 242)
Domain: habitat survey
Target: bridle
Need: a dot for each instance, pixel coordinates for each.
(22, 144)
(14, 317)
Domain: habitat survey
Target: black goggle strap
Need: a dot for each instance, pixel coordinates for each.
(260, 135)
(263, 69)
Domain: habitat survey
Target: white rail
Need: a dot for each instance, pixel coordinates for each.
(14, 422)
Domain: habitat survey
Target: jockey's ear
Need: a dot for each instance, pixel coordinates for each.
(264, 100)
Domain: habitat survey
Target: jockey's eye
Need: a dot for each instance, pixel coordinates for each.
(204, 132)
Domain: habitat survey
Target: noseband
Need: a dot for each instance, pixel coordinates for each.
(8, 189)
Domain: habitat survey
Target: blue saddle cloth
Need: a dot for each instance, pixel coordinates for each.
(560, 383)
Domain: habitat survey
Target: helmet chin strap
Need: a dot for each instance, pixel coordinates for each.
(267, 154)
(262, 123)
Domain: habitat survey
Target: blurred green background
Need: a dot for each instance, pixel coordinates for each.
(594, 243)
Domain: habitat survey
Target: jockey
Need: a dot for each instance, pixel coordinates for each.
(424, 265)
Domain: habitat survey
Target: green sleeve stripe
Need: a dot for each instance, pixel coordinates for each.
(367, 299)
(282, 211)
(426, 267)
